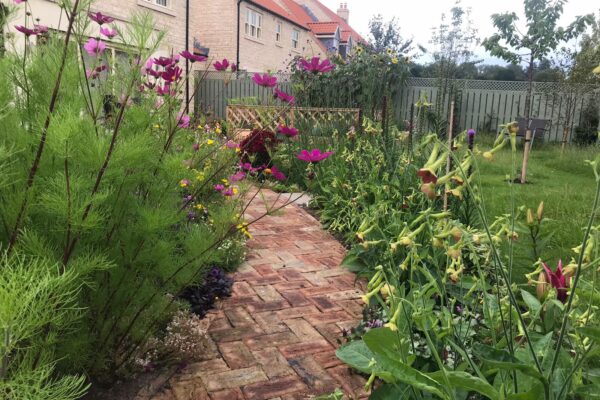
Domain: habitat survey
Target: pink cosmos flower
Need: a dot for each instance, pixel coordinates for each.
(277, 174)
(558, 280)
(315, 65)
(287, 131)
(221, 65)
(184, 121)
(231, 145)
(228, 192)
(238, 176)
(40, 29)
(94, 47)
(248, 167)
(233, 67)
(283, 96)
(219, 188)
(192, 57)
(265, 80)
(108, 32)
(94, 73)
(165, 90)
(171, 74)
(165, 61)
(100, 18)
(313, 156)
(28, 32)
(19, 1)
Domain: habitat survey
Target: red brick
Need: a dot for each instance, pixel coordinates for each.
(327, 359)
(305, 348)
(286, 286)
(239, 317)
(295, 298)
(350, 382)
(265, 280)
(268, 293)
(234, 334)
(292, 274)
(242, 289)
(264, 269)
(297, 312)
(312, 374)
(267, 306)
(233, 379)
(274, 388)
(272, 340)
(237, 355)
(229, 394)
(324, 304)
(329, 317)
(273, 362)
(270, 322)
(303, 329)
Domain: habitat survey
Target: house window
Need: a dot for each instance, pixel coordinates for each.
(295, 38)
(278, 32)
(162, 3)
(253, 23)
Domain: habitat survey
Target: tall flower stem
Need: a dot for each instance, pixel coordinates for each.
(40, 149)
(567, 311)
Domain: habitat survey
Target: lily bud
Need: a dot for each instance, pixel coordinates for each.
(529, 217)
(542, 287)
(437, 243)
(540, 211)
(387, 290)
(456, 233)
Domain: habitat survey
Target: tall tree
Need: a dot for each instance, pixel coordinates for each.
(385, 35)
(542, 35)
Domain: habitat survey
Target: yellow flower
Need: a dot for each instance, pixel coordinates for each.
(235, 190)
(237, 149)
(218, 131)
(199, 207)
(390, 51)
(200, 177)
(156, 126)
(395, 60)
(225, 181)
(210, 141)
(597, 70)
(267, 171)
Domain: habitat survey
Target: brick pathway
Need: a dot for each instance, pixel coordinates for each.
(275, 338)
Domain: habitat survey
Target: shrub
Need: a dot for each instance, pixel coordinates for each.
(587, 131)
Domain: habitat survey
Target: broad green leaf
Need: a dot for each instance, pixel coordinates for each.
(503, 360)
(536, 393)
(384, 342)
(588, 391)
(357, 355)
(541, 346)
(411, 376)
(591, 332)
(392, 392)
(466, 381)
(354, 263)
(532, 302)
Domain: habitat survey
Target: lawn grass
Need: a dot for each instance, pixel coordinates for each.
(565, 184)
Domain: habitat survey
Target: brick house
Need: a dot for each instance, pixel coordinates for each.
(265, 35)
(169, 15)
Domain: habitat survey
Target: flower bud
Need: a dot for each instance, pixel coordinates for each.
(529, 217)
(429, 190)
(542, 287)
(437, 243)
(488, 155)
(540, 211)
(456, 233)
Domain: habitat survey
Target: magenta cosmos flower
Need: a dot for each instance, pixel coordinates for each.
(184, 121)
(221, 65)
(19, 1)
(27, 31)
(558, 280)
(108, 32)
(171, 74)
(287, 131)
(100, 18)
(192, 57)
(313, 156)
(277, 174)
(265, 80)
(238, 176)
(94, 47)
(315, 65)
(283, 96)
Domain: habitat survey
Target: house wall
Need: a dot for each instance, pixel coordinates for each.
(214, 26)
(171, 20)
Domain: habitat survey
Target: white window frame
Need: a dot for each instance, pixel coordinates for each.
(295, 38)
(160, 3)
(278, 30)
(253, 26)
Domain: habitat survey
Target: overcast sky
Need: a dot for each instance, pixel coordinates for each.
(417, 17)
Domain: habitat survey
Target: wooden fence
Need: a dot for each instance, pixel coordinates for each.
(482, 105)
(250, 116)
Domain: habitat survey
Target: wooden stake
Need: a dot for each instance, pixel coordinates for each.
(526, 149)
(449, 161)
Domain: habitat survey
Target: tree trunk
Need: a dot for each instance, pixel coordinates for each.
(527, 144)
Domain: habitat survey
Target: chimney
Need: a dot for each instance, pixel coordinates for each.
(343, 12)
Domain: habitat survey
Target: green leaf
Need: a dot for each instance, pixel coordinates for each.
(384, 342)
(588, 391)
(466, 381)
(357, 355)
(532, 302)
(391, 392)
(354, 263)
(536, 393)
(591, 332)
(410, 376)
(503, 360)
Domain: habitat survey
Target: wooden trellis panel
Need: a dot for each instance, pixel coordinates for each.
(268, 117)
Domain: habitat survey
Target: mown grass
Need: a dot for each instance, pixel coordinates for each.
(563, 181)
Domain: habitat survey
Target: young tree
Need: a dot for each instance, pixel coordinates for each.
(542, 35)
(385, 35)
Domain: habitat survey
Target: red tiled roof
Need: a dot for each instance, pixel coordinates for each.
(346, 35)
(324, 28)
(299, 12)
(271, 6)
(336, 18)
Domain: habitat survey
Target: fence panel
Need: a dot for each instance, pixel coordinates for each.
(483, 105)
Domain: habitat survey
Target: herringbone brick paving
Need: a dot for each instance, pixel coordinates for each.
(276, 337)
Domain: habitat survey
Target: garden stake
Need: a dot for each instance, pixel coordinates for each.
(449, 161)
